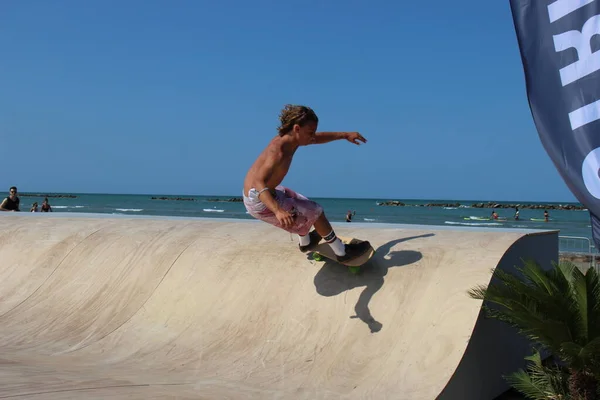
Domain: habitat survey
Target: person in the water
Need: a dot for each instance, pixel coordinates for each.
(11, 202)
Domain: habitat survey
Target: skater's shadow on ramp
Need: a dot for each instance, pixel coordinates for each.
(334, 279)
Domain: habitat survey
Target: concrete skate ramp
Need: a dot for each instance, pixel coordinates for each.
(138, 308)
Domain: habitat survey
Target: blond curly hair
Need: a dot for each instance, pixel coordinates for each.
(292, 114)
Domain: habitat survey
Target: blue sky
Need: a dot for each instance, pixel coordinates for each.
(180, 97)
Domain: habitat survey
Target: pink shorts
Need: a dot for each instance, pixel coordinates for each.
(306, 211)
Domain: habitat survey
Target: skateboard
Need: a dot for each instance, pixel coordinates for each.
(323, 250)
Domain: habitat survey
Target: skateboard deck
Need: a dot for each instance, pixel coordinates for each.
(323, 249)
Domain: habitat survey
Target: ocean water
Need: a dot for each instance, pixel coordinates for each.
(568, 222)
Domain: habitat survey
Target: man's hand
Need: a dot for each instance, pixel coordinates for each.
(285, 218)
(354, 137)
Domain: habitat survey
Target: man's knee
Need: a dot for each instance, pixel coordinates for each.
(319, 210)
(322, 214)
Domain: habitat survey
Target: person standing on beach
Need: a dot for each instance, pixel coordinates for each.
(11, 203)
(267, 200)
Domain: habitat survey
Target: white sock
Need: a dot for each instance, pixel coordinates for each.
(336, 244)
(304, 240)
(338, 247)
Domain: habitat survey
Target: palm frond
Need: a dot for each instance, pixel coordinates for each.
(544, 293)
(559, 280)
(529, 307)
(525, 384)
(590, 354)
(540, 278)
(593, 302)
(570, 352)
(558, 308)
(582, 358)
(508, 294)
(477, 292)
(579, 306)
(565, 268)
(539, 382)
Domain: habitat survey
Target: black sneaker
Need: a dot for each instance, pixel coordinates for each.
(315, 238)
(354, 250)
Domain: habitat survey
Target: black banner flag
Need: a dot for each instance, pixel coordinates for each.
(559, 41)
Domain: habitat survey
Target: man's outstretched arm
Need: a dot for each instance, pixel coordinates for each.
(326, 137)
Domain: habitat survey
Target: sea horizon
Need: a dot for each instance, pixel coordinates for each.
(569, 218)
(40, 193)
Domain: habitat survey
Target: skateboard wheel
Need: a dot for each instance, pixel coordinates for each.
(354, 270)
(317, 257)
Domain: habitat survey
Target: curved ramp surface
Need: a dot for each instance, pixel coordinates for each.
(217, 309)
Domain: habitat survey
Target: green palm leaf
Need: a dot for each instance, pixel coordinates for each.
(558, 309)
(593, 293)
(534, 304)
(539, 382)
(579, 306)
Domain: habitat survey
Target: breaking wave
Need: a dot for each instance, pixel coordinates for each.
(473, 223)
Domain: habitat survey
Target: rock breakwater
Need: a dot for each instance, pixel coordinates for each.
(68, 196)
(173, 198)
(490, 204)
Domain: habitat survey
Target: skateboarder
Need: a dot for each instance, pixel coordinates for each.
(267, 200)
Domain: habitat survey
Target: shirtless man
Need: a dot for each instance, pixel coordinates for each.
(266, 200)
(11, 203)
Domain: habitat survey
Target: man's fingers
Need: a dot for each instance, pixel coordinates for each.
(288, 221)
(358, 138)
